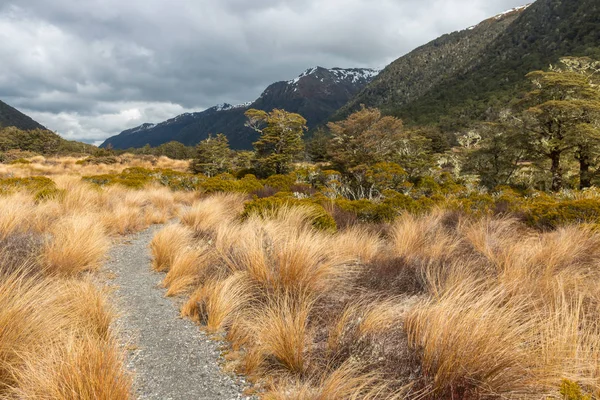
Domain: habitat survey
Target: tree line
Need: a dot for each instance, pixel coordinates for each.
(549, 134)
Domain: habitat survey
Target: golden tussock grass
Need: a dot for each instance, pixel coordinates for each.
(281, 330)
(207, 214)
(218, 302)
(286, 259)
(346, 382)
(424, 238)
(167, 244)
(55, 341)
(78, 243)
(81, 368)
(16, 212)
(124, 219)
(186, 269)
(496, 309)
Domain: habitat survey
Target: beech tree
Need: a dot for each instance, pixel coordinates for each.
(496, 157)
(280, 141)
(563, 117)
(364, 138)
(213, 156)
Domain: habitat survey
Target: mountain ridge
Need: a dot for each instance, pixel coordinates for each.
(10, 116)
(316, 94)
(417, 72)
(538, 36)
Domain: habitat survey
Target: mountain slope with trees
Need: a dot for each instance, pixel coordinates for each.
(539, 36)
(411, 76)
(10, 116)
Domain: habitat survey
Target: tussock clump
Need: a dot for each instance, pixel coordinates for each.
(187, 268)
(282, 333)
(206, 215)
(424, 239)
(78, 244)
(218, 302)
(167, 244)
(54, 333)
(81, 368)
(16, 212)
(349, 381)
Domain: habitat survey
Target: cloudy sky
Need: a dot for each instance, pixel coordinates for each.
(89, 69)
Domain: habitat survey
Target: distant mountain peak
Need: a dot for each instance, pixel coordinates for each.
(340, 74)
(315, 94)
(227, 106)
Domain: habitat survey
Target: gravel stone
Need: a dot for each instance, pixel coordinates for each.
(171, 358)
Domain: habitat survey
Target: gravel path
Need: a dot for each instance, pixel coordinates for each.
(171, 358)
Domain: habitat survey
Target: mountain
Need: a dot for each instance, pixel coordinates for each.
(10, 116)
(466, 75)
(316, 94)
(411, 76)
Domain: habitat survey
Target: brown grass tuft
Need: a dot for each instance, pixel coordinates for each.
(167, 244)
(78, 243)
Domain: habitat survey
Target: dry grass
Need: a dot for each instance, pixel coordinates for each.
(167, 244)
(15, 213)
(81, 368)
(186, 269)
(347, 382)
(78, 244)
(218, 302)
(444, 307)
(282, 332)
(206, 215)
(56, 340)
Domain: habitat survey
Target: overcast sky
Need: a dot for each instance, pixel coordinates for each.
(89, 69)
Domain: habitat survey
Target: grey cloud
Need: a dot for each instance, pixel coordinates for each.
(72, 63)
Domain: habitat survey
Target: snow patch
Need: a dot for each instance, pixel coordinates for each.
(512, 10)
(227, 106)
(340, 74)
(143, 127)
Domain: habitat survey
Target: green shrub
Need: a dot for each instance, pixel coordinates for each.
(49, 193)
(96, 160)
(137, 178)
(180, 181)
(227, 183)
(135, 181)
(386, 210)
(545, 213)
(20, 161)
(570, 390)
(280, 182)
(475, 204)
(31, 184)
(271, 205)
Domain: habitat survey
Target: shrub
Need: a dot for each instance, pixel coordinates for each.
(549, 214)
(109, 160)
(271, 205)
(227, 183)
(572, 391)
(30, 184)
(280, 182)
(20, 161)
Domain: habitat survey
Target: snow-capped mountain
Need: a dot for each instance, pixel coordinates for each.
(315, 94)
